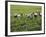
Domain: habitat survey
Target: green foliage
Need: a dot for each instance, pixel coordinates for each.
(24, 9)
(23, 23)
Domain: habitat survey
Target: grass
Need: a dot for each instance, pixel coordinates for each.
(23, 23)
